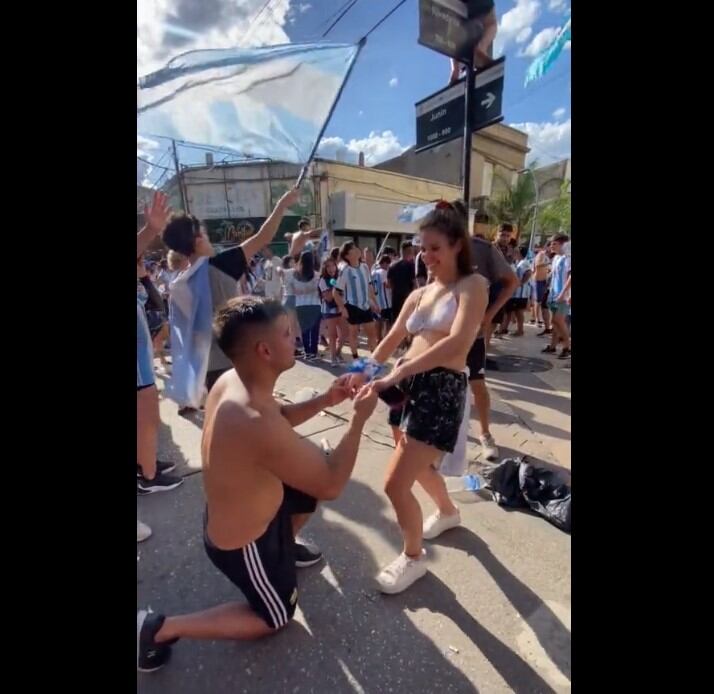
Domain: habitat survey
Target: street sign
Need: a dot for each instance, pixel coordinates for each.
(441, 116)
(444, 26)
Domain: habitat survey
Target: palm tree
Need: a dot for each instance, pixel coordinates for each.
(554, 217)
(515, 203)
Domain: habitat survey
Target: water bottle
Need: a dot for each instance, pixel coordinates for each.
(467, 483)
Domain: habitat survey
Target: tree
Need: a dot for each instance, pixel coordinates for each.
(515, 203)
(554, 216)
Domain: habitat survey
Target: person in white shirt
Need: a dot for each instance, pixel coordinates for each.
(286, 274)
(304, 281)
(271, 275)
(355, 297)
(384, 295)
(519, 302)
(558, 294)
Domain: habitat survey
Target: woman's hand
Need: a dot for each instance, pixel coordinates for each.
(393, 379)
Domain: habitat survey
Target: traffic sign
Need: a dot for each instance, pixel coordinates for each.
(441, 116)
(445, 27)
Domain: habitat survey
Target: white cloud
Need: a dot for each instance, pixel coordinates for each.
(540, 41)
(514, 23)
(165, 28)
(557, 5)
(393, 82)
(558, 113)
(566, 47)
(548, 141)
(144, 149)
(524, 35)
(376, 147)
(304, 7)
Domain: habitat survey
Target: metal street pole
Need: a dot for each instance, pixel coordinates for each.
(468, 129)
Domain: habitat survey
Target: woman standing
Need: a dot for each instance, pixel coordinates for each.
(304, 282)
(330, 310)
(443, 319)
(286, 275)
(355, 297)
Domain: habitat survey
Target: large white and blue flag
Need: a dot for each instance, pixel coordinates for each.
(271, 102)
(545, 59)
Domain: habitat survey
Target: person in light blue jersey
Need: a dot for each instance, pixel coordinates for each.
(355, 297)
(384, 295)
(558, 297)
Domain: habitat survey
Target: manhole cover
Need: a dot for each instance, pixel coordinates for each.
(510, 363)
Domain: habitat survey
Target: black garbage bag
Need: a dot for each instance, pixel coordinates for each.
(515, 482)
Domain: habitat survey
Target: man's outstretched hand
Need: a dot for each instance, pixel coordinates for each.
(365, 401)
(157, 214)
(339, 391)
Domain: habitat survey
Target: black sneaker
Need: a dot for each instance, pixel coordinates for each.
(547, 331)
(564, 354)
(548, 349)
(160, 483)
(150, 656)
(305, 556)
(161, 466)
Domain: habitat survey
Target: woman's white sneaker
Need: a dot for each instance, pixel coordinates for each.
(143, 531)
(436, 524)
(401, 573)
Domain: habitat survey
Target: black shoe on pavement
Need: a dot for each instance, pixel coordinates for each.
(549, 349)
(160, 483)
(564, 354)
(305, 556)
(161, 466)
(150, 656)
(547, 331)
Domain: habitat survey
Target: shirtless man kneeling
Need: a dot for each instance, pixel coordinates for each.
(260, 480)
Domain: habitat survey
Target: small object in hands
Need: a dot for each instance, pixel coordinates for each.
(369, 367)
(393, 396)
(326, 446)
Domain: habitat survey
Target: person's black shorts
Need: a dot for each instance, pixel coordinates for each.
(516, 305)
(544, 300)
(434, 407)
(386, 314)
(476, 360)
(358, 316)
(264, 570)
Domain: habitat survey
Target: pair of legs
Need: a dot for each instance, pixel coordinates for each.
(483, 50)
(359, 318)
(331, 324)
(560, 327)
(274, 584)
(159, 341)
(309, 319)
(147, 429)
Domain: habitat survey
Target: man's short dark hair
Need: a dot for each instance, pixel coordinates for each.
(303, 224)
(388, 250)
(236, 320)
(181, 232)
(406, 245)
(561, 238)
(385, 260)
(524, 251)
(506, 226)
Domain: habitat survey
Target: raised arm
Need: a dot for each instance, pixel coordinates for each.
(266, 232)
(156, 216)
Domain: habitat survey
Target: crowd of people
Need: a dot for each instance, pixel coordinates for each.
(239, 318)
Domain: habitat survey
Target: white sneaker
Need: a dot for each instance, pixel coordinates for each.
(490, 451)
(143, 531)
(436, 524)
(401, 573)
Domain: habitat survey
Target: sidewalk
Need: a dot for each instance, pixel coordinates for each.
(493, 614)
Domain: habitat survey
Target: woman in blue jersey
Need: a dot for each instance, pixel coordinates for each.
(384, 295)
(355, 297)
(331, 316)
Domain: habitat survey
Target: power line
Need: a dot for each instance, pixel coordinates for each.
(349, 6)
(384, 19)
(254, 21)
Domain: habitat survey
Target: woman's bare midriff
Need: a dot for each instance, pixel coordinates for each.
(428, 338)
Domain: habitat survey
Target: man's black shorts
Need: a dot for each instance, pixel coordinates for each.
(386, 315)
(358, 316)
(264, 570)
(476, 360)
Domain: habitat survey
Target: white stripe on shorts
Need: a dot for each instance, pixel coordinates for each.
(263, 587)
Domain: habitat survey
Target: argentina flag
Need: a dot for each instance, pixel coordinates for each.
(545, 59)
(271, 102)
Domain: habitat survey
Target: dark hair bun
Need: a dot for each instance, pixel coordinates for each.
(459, 206)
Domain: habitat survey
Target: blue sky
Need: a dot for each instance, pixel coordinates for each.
(376, 112)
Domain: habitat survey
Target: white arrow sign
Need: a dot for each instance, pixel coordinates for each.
(488, 101)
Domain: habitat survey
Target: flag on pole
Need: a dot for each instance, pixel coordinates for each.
(545, 59)
(270, 102)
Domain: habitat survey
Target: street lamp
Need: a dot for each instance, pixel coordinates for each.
(535, 212)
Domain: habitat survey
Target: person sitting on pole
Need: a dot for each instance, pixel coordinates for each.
(482, 16)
